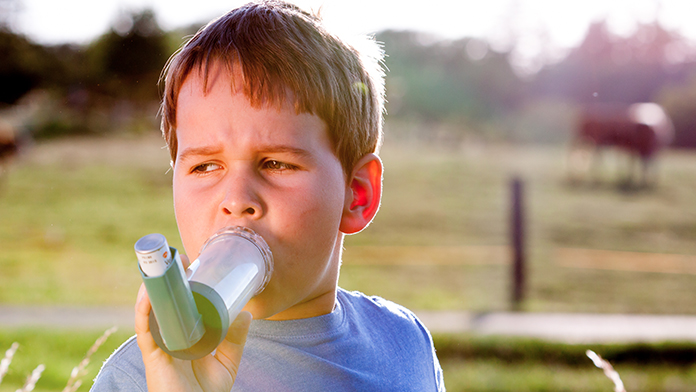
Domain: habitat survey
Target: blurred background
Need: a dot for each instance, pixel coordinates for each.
(478, 94)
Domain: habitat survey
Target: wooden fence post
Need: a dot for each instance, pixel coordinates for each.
(517, 227)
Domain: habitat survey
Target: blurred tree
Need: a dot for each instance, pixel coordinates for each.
(609, 68)
(462, 83)
(22, 67)
(109, 85)
(128, 59)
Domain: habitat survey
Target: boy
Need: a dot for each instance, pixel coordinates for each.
(274, 124)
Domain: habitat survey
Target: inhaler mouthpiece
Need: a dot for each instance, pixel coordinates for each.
(234, 265)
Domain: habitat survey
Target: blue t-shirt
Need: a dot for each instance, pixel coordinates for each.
(365, 344)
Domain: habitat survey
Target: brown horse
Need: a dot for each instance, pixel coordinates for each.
(639, 131)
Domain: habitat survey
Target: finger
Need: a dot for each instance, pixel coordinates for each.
(142, 322)
(142, 291)
(142, 310)
(229, 352)
(185, 261)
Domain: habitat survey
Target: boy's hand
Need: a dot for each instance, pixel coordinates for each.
(210, 373)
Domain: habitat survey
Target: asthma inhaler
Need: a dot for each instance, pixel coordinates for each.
(169, 292)
(234, 265)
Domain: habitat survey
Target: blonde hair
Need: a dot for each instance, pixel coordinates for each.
(281, 48)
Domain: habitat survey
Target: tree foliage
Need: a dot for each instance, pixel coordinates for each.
(21, 68)
(128, 59)
(444, 80)
(609, 68)
(463, 84)
(107, 85)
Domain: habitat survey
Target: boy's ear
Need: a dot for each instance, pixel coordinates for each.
(363, 195)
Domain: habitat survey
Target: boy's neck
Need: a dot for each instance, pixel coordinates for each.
(323, 300)
(318, 306)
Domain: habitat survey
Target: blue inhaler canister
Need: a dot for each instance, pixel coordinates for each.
(234, 265)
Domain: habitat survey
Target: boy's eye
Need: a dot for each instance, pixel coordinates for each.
(277, 165)
(205, 167)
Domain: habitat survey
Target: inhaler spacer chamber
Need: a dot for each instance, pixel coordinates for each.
(192, 310)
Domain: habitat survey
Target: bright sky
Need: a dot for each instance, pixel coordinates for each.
(535, 24)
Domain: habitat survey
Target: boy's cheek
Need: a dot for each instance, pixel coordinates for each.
(187, 226)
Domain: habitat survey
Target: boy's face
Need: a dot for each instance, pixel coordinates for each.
(267, 169)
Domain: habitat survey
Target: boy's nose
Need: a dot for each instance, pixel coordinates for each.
(239, 210)
(240, 200)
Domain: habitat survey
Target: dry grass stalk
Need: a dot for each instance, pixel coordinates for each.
(5, 363)
(32, 379)
(608, 370)
(80, 370)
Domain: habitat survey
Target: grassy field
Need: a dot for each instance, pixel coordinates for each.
(58, 351)
(469, 363)
(71, 211)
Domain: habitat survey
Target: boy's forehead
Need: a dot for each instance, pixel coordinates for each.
(200, 91)
(203, 79)
(222, 80)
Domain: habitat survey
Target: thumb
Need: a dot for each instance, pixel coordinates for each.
(229, 352)
(184, 261)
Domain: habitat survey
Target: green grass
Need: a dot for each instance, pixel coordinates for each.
(514, 364)
(491, 375)
(469, 363)
(59, 351)
(71, 214)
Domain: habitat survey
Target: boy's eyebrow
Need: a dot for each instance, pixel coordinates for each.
(198, 151)
(285, 149)
(212, 150)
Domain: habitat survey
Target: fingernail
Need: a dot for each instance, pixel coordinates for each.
(141, 293)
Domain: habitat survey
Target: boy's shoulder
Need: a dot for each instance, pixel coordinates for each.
(397, 337)
(122, 371)
(384, 313)
(372, 303)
